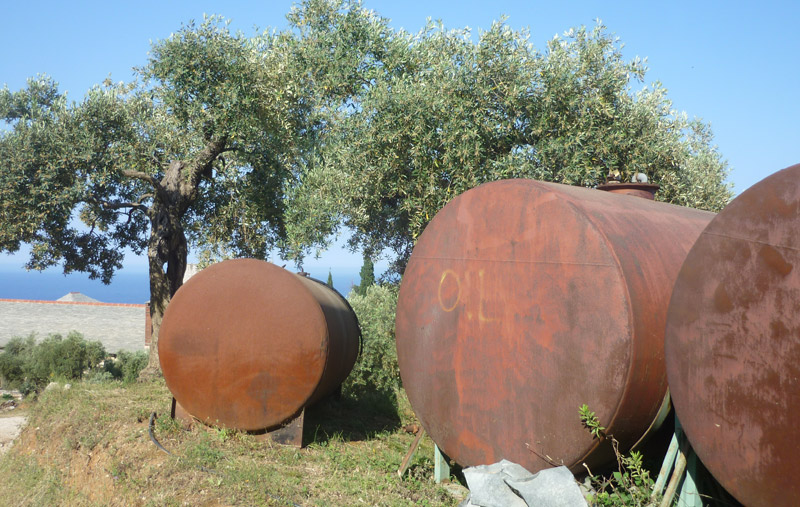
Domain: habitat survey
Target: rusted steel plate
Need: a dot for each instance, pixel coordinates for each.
(733, 343)
(245, 344)
(524, 300)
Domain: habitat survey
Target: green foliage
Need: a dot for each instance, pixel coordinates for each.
(196, 152)
(131, 364)
(438, 114)
(591, 422)
(125, 367)
(376, 373)
(631, 484)
(29, 366)
(329, 283)
(106, 159)
(367, 276)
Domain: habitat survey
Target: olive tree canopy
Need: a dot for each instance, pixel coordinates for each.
(197, 151)
(438, 113)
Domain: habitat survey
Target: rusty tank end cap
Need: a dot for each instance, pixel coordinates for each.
(243, 345)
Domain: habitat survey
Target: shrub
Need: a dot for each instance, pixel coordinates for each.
(10, 369)
(18, 346)
(376, 371)
(29, 366)
(126, 366)
(131, 363)
(57, 357)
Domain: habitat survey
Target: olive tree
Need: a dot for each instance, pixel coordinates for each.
(196, 151)
(439, 113)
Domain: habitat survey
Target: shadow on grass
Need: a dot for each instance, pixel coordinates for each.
(351, 418)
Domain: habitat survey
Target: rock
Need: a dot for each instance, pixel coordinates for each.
(67, 387)
(456, 490)
(51, 386)
(509, 484)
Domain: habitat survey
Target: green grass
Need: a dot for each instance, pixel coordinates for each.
(90, 446)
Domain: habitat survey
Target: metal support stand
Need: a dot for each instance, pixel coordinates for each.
(680, 467)
(441, 465)
(289, 434)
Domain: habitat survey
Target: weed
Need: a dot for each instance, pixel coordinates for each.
(203, 454)
(167, 426)
(224, 434)
(631, 484)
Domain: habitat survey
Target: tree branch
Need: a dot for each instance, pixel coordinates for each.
(111, 205)
(206, 159)
(139, 175)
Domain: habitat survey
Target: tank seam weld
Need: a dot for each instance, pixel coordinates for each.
(728, 236)
(595, 264)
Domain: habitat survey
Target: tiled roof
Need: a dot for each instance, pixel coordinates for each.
(77, 297)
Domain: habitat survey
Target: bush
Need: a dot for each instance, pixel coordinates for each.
(10, 369)
(13, 360)
(376, 371)
(29, 366)
(56, 357)
(126, 366)
(131, 363)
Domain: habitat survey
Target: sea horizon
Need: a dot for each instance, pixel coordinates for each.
(129, 286)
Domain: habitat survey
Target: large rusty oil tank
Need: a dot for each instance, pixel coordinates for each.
(524, 300)
(733, 343)
(245, 344)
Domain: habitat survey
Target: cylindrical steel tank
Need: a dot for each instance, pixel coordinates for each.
(523, 300)
(733, 343)
(247, 345)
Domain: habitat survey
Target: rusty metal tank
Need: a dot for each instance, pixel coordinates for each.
(245, 344)
(733, 343)
(523, 300)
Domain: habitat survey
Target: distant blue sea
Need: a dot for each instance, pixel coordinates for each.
(126, 287)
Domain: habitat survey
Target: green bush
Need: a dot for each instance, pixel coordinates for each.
(376, 372)
(29, 366)
(66, 358)
(131, 364)
(126, 366)
(10, 369)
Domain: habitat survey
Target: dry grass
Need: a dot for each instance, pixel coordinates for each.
(90, 446)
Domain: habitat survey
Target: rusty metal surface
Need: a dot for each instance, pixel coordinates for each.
(245, 344)
(524, 300)
(733, 343)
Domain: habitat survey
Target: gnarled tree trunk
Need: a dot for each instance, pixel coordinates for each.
(167, 248)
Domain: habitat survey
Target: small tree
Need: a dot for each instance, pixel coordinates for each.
(367, 275)
(329, 283)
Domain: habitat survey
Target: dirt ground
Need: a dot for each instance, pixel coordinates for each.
(10, 426)
(12, 418)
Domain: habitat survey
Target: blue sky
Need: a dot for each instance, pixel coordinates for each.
(734, 64)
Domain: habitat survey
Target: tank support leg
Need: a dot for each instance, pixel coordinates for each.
(292, 433)
(441, 465)
(680, 467)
